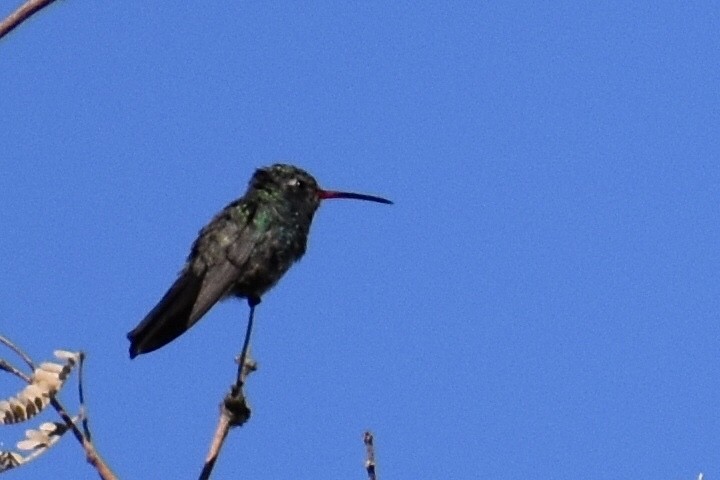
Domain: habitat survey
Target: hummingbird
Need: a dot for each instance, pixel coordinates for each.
(243, 252)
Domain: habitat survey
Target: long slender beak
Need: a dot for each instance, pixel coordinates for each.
(326, 194)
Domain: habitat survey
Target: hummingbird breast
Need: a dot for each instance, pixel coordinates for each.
(267, 263)
(280, 241)
(249, 246)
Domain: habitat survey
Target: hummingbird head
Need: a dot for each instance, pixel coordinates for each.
(297, 187)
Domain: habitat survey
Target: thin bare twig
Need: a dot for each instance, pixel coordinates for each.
(23, 12)
(20, 353)
(370, 455)
(233, 413)
(5, 365)
(81, 396)
(60, 409)
(91, 454)
(94, 459)
(252, 302)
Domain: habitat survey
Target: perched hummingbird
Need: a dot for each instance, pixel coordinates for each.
(242, 252)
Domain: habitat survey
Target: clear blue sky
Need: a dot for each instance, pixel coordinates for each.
(541, 302)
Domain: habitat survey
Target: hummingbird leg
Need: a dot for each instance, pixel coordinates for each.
(253, 301)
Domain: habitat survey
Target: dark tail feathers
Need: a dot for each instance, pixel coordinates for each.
(170, 318)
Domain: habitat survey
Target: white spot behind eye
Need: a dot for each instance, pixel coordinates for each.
(293, 182)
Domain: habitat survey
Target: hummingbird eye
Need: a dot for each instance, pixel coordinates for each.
(295, 182)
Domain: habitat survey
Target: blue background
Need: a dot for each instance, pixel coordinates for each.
(541, 301)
